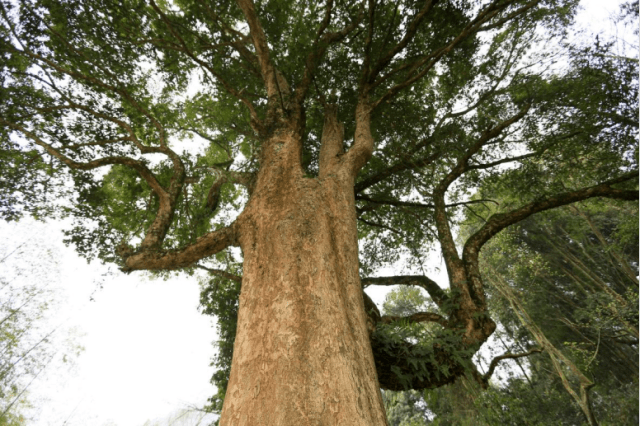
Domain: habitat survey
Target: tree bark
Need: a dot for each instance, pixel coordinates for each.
(302, 354)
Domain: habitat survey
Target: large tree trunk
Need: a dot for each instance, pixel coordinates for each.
(302, 354)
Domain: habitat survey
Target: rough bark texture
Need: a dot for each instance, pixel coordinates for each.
(302, 354)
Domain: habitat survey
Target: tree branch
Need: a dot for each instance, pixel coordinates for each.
(498, 222)
(429, 61)
(437, 294)
(409, 35)
(362, 148)
(420, 205)
(221, 273)
(319, 48)
(185, 49)
(262, 48)
(405, 164)
(494, 362)
(416, 318)
(205, 246)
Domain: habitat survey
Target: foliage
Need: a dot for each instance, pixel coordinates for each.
(574, 271)
(219, 298)
(404, 408)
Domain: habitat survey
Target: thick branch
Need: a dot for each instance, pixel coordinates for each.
(332, 139)
(437, 294)
(449, 251)
(205, 246)
(262, 48)
(362, 148)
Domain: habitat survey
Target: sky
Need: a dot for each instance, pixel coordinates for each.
(147, 348)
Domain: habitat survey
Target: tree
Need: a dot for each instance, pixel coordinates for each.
(573, 286)
(31, 344)
(333, 127)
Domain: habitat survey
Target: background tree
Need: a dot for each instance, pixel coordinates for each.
(574, 291)
(31, 343)
(333, 127)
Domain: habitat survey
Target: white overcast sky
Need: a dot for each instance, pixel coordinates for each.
(147, 348)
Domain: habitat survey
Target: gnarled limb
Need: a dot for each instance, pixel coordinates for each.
(205, 246)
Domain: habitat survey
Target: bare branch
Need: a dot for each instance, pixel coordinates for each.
(494, 362)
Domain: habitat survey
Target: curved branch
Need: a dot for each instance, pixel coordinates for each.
(140, 167)
(498, 222)
(205, 246)
(437, 294)
(494, 362)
